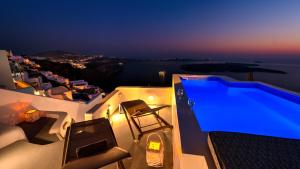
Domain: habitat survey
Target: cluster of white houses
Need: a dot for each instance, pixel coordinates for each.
(25, 76)
(76, 61)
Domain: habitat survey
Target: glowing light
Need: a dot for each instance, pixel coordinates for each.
(31, 115)
(150, 98)
(21, 84)
(110, 108)
(38, 93)
(154, 146)
(117, 117)
(31, 111)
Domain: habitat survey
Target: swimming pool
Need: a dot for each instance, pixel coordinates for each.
(246, 107)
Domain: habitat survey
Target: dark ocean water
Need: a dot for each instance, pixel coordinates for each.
(145, 73)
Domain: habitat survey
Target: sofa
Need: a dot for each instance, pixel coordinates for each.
(17, 153)
(32, 147)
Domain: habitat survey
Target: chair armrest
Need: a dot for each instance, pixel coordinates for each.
(63, 121)
(140, 112)
(113, 155)
(159, 108)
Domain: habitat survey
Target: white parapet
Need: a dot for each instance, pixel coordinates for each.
(6, 80)
(76, 110)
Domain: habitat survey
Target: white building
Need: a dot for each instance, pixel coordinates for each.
(79, 84)
(6, 80)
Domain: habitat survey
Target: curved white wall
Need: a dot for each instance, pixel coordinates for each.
(75, 109)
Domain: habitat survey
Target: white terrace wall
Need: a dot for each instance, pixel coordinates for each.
(6, 79)
(151, 95)
(75, 109)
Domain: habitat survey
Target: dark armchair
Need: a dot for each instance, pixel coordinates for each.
(91, 145)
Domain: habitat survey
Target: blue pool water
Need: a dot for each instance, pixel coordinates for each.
(244, 107)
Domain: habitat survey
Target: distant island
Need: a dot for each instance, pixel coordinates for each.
(227, 67)
(54, 54)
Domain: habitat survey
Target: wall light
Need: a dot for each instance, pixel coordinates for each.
(110, 108)
(116, 117)
(150, 98)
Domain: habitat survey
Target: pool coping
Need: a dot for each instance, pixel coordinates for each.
(188, 136)
(190, 148)
(186, 117)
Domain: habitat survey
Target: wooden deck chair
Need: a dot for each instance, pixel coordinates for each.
(136, 109)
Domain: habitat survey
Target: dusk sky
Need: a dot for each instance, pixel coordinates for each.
(154, 27)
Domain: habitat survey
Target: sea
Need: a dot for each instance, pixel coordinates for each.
(146, 73)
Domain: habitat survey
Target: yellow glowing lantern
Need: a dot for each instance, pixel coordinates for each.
(32, 115)
(154, 150)
(155, 146)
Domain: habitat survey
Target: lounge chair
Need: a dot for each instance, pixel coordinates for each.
(136, 109)
(91, 145)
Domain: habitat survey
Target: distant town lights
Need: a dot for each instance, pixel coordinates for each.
(36, 92)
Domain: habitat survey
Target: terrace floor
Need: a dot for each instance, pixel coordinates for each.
(138, 149)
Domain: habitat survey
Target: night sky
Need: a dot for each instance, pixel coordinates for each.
(154, 27)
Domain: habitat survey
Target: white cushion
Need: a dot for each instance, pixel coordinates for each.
(10, 134)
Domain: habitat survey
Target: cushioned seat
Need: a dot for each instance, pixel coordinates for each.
(44, 134)
(103, 159)
(24, 155)
(10, 134)
(38, 131)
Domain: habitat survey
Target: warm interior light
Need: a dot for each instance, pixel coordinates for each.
(21, 84)
(150, 98)
(31, 115)
(31, 111)
(110, 108)
(116, 117)
(36, 92)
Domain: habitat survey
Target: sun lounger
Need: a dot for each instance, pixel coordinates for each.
(136, 109)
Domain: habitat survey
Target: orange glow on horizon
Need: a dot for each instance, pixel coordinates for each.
(251, 43)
